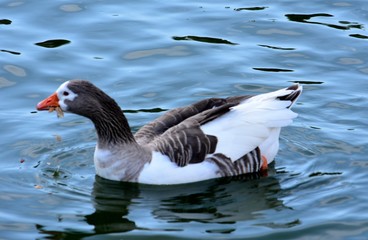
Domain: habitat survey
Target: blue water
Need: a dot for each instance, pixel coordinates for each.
(166, 54)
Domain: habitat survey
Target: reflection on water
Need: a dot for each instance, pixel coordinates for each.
(176, 51)
(304, 18)
(124, 207)
(204, 39)
(54, 43)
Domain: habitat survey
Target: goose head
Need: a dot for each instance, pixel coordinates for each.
(83, 98)
(79, 97)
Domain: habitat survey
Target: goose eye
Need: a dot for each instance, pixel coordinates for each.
(65, 93)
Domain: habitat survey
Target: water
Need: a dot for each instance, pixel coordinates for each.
(156, 55)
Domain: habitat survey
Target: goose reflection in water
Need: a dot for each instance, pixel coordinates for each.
(215, 205)
(122, 207)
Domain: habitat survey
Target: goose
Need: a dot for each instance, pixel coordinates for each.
(212, 138)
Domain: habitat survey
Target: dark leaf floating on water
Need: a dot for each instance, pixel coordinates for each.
(11, 52)
(223, 231)
(359, 36)
(277, 48)
(54, 43)
(304, 17)
(324, 173)
(204, 39)
(250, 8)
(5, 21)
(273, 69)
(307, 82)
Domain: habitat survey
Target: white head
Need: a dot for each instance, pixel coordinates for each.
(65, 94)
(79, 97)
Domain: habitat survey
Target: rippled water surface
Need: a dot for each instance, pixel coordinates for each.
(154, 55)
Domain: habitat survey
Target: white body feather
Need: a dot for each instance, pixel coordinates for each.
(162, 171)
(255, 122)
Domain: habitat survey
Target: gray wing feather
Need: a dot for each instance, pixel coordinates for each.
(177, 133)
(176, 116)
(249, 163)
(185, 144)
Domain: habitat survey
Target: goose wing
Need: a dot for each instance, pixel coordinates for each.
(255, 122)
(186, 142)
(176, 116)
(236, 129)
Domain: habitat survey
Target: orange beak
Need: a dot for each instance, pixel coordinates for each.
(51, 101)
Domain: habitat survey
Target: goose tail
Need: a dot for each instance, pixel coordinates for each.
(293, 96)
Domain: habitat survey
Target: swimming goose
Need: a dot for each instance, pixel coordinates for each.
(212, 138)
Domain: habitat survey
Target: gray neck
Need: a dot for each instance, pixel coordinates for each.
(118, 156)
(112, 127)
